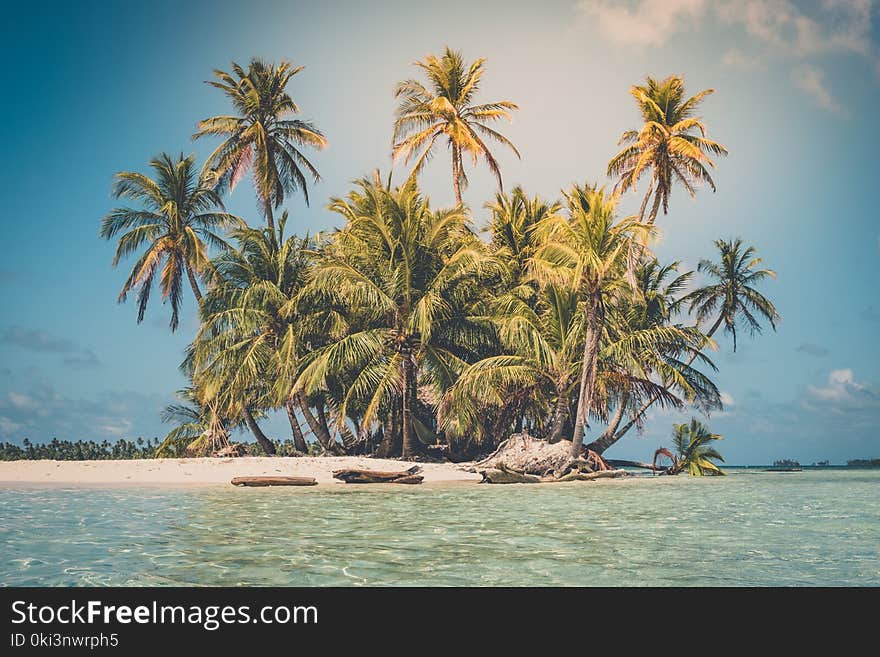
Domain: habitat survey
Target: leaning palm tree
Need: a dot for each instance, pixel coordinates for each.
(249, 346)
(732, 295)
(445, 110)
(588, 250)
(179, 215)
(261, 136)
(671, 145)
(693, 450)
(402, 271)
(200, 429)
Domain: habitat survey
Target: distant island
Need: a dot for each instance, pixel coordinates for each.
(863, 463)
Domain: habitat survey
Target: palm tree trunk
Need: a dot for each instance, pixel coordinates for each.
(644, 407)
(559, 415)
(321, 433)
(270, 217)
(645, 201)
(456, 173)
(194, 284)
(607, 438)
(267, 445)
(411, 444)
(299, 440)
(588, 373)
(655, 208)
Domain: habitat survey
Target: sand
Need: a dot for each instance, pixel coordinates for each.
(209, 471)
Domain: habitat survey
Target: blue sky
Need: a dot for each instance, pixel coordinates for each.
(94, 88)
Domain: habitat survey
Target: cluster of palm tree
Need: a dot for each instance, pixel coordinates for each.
(80, 450)
(405, 329)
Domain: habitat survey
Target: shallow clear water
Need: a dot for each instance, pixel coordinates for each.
(750, 528)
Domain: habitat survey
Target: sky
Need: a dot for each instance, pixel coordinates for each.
(94, 88)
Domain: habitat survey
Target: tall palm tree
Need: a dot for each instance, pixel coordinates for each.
(444, 110)
(261, 136)
(587, 250)
(693, 451)
(402, 271)
(732, 296)
(671, 145)
(179, 215)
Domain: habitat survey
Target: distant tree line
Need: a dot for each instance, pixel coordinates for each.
(90, 450)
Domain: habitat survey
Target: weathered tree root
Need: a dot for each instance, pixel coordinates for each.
(505, 475)
(355, 476)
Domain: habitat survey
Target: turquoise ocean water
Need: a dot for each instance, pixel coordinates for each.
(752, 528)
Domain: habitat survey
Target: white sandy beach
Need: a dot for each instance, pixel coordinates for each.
(209, 471)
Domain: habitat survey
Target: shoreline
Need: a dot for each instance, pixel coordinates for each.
(209, 471)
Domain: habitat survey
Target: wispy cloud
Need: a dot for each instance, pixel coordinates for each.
(811, 81)
(646, 23)
(86, 360)
(794, 34)
(741, 61)
(810, 349)
(41, 413)
(37, 340)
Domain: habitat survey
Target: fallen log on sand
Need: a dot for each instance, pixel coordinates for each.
(274, 481)
(505, 475)
(574, 475)
(355, 476)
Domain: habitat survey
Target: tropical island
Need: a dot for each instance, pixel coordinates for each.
(540, 338)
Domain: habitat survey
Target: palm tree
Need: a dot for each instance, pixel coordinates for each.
(671, 145)
(588, 251)
(651, 313)
(693, 451)
(250, 344)
(402, 272)
(176, 222)
(200, 429)
(444, 109)
(260, 136)
(732, 296)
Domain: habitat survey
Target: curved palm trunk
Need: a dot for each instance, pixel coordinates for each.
(588, 373)
(194, 284)
(321, 433)
(267, 445)
(560, 414)
(411, 443)
(608, 438)
(456, 173)
(644, 407)
(655, 207)
(299, 441)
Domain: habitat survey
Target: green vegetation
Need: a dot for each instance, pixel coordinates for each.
(863, 463)
(81, 450)
(403, 331)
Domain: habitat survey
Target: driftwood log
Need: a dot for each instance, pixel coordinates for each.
(502, 474)
(274, 481)
(356, 476)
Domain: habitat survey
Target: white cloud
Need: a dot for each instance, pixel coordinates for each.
(7, 426)
(811, 81)
(646, 23)
(841, 386)
(19, 400)
(727, 399)
(741, 61)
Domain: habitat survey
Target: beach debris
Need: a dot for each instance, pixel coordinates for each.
(357, 476)
(274, 481)
(502, 474)
(231, 451)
